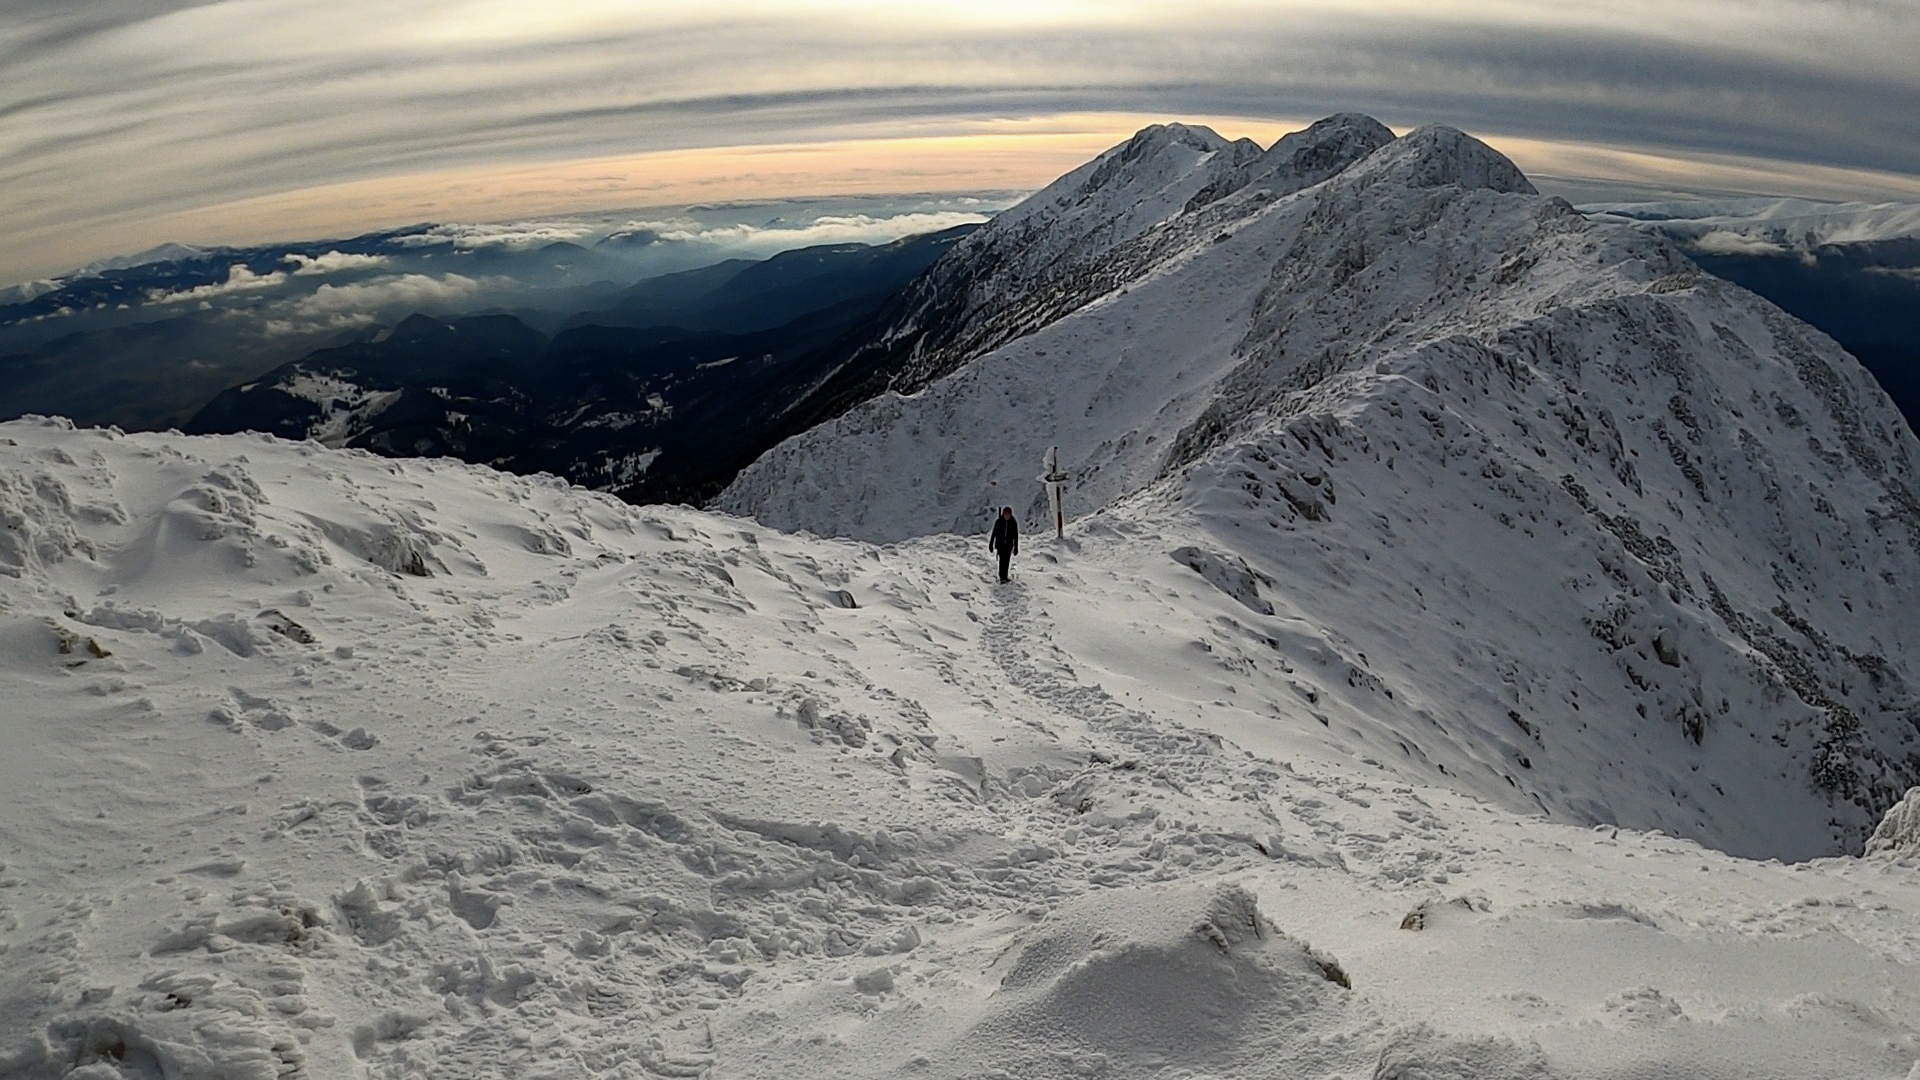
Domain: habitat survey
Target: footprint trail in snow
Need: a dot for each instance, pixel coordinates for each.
(617, 792)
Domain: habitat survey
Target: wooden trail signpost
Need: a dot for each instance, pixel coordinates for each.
(1054, 478)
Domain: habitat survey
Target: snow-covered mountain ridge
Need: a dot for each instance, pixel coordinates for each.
(1088, 233)
(1625, 542)
(1767, 225)
(320, 764)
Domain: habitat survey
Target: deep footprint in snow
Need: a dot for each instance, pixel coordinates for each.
(263, 713)
(477, 907)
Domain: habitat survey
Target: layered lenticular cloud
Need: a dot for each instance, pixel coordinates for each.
(123, 123)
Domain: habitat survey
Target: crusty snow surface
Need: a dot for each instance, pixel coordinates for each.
(319, 764)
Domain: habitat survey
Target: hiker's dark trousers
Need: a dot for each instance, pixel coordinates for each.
(1006, 560)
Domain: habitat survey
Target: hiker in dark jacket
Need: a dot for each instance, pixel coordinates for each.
(1005, 539)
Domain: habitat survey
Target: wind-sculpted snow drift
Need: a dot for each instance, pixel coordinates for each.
(1596, 533)
(319, 764)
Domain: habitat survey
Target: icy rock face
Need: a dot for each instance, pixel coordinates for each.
(1739, 488)
(1626, 542)
(1228, 573)
(1899, 833)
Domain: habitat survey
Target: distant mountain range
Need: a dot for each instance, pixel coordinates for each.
(620, 400)
(145, 346)
(144, 341)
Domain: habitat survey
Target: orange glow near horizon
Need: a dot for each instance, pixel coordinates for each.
(661, 179)
(1007, 155)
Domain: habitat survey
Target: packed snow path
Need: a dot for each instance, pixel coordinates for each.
(324, 765)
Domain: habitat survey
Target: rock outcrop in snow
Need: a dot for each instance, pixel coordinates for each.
(1899, 833)
(1622, 542)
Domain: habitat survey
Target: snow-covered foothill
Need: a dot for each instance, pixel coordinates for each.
(1576, 526)
(1765, 226)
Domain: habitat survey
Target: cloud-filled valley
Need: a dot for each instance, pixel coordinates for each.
(185, 322)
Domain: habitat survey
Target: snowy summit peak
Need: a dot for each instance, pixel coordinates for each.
(1319, 144)
(1298, 159)
(1438, 156)
(1128, 181)
(1154, 136)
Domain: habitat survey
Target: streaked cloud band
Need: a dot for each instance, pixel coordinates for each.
(115, 117)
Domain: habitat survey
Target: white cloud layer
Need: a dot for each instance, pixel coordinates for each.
(1722, 242)
(830, 229)
(332, 262)
(361, 304)
(239, 280)
(516, 235)
(381, 294)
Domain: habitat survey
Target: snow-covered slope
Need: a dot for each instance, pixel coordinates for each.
(1092, 231)
(324, 765)
(1581, 528)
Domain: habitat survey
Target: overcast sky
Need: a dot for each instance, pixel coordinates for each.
(124, 123)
